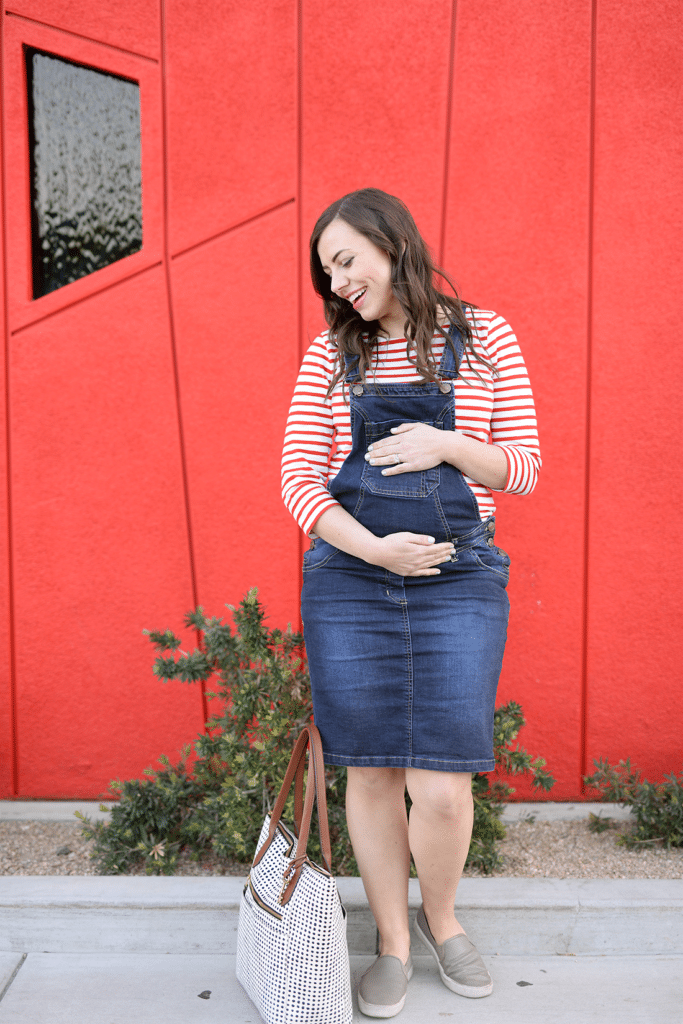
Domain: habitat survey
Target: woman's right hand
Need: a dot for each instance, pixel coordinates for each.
(406, 554)
(410, 554)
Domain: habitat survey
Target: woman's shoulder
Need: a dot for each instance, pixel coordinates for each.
(481, 317)
(319, 357)
(488, 327)
(321, 346)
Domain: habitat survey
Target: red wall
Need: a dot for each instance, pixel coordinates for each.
(635, 607)
(538, 145)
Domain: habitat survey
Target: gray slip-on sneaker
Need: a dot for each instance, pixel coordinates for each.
(461, 968)
(382, 989)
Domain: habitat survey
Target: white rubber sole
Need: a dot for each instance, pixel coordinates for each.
(383, 1010)
(372, 1010)
(469, 991)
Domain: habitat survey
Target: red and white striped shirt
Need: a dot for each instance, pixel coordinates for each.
(497, 409)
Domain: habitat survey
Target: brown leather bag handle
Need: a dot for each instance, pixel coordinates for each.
(299, 796)
(316, 762)
(315, 792)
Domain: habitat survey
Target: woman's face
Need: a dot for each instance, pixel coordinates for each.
(360, 272)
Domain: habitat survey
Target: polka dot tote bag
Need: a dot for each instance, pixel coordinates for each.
(292, 956)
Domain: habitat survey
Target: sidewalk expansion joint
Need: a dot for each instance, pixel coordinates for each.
(13, 976)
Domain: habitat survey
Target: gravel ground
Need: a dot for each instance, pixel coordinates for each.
(552, 849)
(566, 849)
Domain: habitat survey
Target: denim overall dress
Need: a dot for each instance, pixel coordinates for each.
(404, 669)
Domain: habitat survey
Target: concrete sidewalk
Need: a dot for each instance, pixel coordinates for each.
(138, 950)
(131, 950)
(155, 989)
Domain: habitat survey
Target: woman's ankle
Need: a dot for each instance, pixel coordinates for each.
(398, 946)
(443, 926)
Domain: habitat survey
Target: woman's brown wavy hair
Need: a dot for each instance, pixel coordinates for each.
(388, 223)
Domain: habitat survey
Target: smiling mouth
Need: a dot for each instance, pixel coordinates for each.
(357, 296)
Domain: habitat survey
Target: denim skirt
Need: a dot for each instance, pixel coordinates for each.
(404, 670)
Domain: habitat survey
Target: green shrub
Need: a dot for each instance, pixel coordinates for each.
(150, 823)
(260, 679)
(657, 807)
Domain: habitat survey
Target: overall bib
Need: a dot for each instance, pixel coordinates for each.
(404, 669)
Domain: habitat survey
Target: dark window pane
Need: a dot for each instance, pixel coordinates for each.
(84, 132)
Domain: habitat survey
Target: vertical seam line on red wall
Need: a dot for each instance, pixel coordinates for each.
(299, 174)
(447, 144)
(8, 442)
(172, 331)
(300, 221)
(589, 371)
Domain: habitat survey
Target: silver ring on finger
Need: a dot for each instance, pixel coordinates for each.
(398, 458)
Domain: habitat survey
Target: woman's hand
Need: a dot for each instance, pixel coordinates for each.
(413, 447)
(410, 554)
(406, 554)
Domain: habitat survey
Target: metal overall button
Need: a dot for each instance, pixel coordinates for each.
(490, 527)
(357, 389)
(491, 542)
(444, 386)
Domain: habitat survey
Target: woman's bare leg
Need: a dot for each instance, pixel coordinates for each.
(439, 833)
(378, 826)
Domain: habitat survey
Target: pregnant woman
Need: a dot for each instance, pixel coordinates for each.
(409, 412)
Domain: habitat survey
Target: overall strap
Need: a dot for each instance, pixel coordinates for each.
(449, 362)
(351, 374)
(448, 367)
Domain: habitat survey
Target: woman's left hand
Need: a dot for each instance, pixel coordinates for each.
(413, 447)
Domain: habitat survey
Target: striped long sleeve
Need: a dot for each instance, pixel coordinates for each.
(492, 405)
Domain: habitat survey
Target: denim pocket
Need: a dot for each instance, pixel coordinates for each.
(493, 559)
(319, 553)
(402, 485)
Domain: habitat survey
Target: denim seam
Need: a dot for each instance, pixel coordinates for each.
(411, 678)
(442, 517)
(319, 565)
(426, 488)
(499, 572)
(405, 761)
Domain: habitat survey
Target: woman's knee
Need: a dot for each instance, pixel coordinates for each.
(376, 781)
(442, 794)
